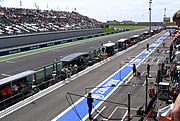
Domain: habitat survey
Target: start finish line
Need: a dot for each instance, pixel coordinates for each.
(103, 93)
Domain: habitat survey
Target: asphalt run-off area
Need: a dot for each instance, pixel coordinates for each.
(79, 111)
(39, 50)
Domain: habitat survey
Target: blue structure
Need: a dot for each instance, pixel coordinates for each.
(81, 108)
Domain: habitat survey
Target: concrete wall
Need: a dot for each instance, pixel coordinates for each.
(19, 40)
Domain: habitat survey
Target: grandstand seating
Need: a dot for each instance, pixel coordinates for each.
(21, 20)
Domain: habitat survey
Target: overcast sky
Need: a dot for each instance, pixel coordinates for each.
(103, 10)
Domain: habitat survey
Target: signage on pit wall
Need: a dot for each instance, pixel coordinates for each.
(169, 23)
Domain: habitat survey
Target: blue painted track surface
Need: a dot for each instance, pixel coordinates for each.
(79, 111)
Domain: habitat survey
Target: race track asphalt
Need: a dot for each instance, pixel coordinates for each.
(13, 66)
(51, 105)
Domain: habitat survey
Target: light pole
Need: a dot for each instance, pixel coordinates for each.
(150, 2)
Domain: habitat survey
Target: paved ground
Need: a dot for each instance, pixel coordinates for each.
(36, 60)
(49, 106)
(137, 91)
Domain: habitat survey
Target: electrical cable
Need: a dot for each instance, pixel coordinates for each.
(75, 107)
(76, 112)
(72, 106)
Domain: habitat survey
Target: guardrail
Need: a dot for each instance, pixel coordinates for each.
(47, 44)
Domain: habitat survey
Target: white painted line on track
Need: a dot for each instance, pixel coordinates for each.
(112, 113)
(124, 116)
(135, 109)
(162, 52)
(126, 108)
(54, 87)
(85, 117)
(5, 75)
(152, 60)
(143, 73)
(132, 77)
(52, 48)
(10, 61)
(37, 52)
(129, 79)
(144, 83)
(99, 112)
(157, 61)
(146, 60)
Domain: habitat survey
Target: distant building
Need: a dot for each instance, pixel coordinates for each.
(128, 22)
(134, 22)
(113, 22)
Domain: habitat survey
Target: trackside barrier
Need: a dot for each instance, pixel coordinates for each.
(57, 42)
(30, 99)
(49, 69)
(126, 70)
(42, 93)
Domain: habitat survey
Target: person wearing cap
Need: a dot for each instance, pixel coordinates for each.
(176, 18)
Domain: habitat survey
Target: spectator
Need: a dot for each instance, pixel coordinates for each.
(176, 109)
(3, 93)
(21, 85)
(64, 74)
(15, 88)
(75, 68)
(172, 74)
(176, 18)
(8, 90)
(43, 20)
(68, 72)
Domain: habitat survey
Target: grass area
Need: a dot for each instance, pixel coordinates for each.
(6, 57)
(129, 26)
(108, 29)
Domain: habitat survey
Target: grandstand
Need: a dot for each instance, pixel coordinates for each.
(21, 21)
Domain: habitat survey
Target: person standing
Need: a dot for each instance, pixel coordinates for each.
(148, 69)
(147, 46)
(89, 103)
(163, 43)
(134, 70)
(171, 52)
(75, 69)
